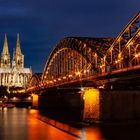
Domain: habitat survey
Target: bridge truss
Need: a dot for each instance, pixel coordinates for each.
(74, 58)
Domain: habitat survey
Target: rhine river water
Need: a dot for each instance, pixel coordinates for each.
(28, 124)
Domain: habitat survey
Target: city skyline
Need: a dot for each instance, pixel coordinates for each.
(41, 24)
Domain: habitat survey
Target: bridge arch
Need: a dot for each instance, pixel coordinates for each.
(125, 50)
(74, 57)
(34, 82)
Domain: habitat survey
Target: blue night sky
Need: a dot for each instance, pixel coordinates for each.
(42, 23)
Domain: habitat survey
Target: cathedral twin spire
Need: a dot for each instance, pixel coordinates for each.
(18, 57)
(5, 46)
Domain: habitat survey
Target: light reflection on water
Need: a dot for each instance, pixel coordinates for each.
(23, 124)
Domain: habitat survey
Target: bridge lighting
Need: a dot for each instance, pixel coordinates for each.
(82, 89)
(29, 98)
(59, 79)
(70, 75)
(5, 97)
(64, 77)
(102, 66)
(137, 55)
(78, 73)
(85, 71)
(116, 61)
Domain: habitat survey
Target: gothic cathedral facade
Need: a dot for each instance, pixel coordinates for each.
(14, 74)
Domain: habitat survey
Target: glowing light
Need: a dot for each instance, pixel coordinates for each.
(78, 73)
(5, 96)
(33, 111)
(35, 100)
(91, 107)
(116, 61)
(29, 98)
(101, 66)
(93, 134)
(85, 71)
(137, 55)
(70, 75)
(54, 80)
(64, 77)
(59, 79)
(82, 89)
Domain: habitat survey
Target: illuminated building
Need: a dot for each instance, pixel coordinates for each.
(13, 75)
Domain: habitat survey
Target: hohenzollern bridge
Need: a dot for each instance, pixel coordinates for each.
(82, 64)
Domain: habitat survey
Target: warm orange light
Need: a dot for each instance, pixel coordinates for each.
(59, 79)
(137, 55)
(78, 73)
(93, 134)
(85, 71)
(101, 66)
(91, 105)
(64, 77)
(35, 100)
(82, 89)
(70, 75)
(116, 61)
(29, 98)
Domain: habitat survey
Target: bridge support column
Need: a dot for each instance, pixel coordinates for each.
(91, 104)
(34, 100)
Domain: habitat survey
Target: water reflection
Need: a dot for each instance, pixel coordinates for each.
(12, 124)
(91, 133)
(23, 124)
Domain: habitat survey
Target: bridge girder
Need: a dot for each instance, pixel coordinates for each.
(34, 82)
(126, 47)
(73, 58)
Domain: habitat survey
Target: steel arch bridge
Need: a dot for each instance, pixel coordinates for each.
(78, 58)
(34, 82)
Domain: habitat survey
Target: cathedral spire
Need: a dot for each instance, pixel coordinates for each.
(18, 49)
(18, 57)
(5, 46)
(5, 56)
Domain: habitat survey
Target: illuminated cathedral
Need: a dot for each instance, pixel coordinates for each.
(13, 74)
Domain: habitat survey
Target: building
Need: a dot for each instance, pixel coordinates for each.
(13, 74)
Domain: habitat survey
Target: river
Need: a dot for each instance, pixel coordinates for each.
(28, 124)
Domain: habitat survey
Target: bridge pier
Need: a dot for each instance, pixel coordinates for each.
(91, 104)
(35, 101)
(111, 105)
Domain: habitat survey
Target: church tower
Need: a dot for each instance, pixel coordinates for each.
(5, 56)
(18, 57)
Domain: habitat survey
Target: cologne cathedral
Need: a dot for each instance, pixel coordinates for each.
(13, 74)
